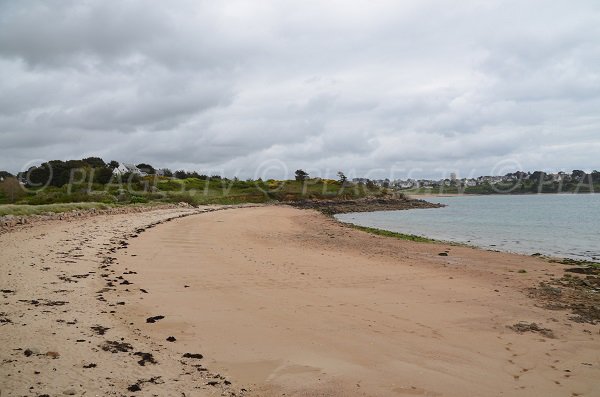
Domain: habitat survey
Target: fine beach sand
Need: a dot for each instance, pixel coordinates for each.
(278, 301)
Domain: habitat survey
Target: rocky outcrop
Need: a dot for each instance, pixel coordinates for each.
(367, 204)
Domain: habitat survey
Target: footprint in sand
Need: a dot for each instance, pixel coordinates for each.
(414, 391)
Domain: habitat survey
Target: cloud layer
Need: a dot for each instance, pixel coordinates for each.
(377, 88)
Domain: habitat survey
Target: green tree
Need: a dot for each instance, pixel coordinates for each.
(39, 176)
(301, 175)
(147, 168)
(103, 175)
(578, 175)
(537, 176)
(5, 174)
(94, 162)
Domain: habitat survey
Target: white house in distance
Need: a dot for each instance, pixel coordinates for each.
(124, 168)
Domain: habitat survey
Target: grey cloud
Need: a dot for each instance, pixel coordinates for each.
(361, 86)
(55, 32)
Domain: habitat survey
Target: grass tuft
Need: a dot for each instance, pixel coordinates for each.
(387, 233)
(26, 209)
(576, 262)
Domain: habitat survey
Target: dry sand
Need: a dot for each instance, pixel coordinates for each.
(57, 314)
(278, 301)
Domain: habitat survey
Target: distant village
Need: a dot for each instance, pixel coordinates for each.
(511, 178)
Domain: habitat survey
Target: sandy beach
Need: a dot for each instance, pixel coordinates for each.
(272, 301)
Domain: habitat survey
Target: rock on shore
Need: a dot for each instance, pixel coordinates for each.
(367, 204)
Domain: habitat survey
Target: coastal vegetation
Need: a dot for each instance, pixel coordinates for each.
(577, 262)
(575, 290)
(25, 209)
(92, 180)
(387, 233)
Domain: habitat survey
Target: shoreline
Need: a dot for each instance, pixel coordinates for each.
(298, 267)
(432, 240)
(554, 256)
(417, 196)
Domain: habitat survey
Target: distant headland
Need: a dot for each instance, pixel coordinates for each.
(113, 183)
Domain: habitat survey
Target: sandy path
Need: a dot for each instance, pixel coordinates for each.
(288, 301)
(53, 284)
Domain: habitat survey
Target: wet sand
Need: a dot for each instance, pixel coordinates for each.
(277, 301)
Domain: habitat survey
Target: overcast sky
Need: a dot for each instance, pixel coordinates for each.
(250, 88)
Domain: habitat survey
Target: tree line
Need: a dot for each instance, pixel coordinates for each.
(58, 173)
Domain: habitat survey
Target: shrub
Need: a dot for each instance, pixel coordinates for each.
(137, 199)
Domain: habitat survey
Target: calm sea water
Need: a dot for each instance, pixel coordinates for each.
(563, 225)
